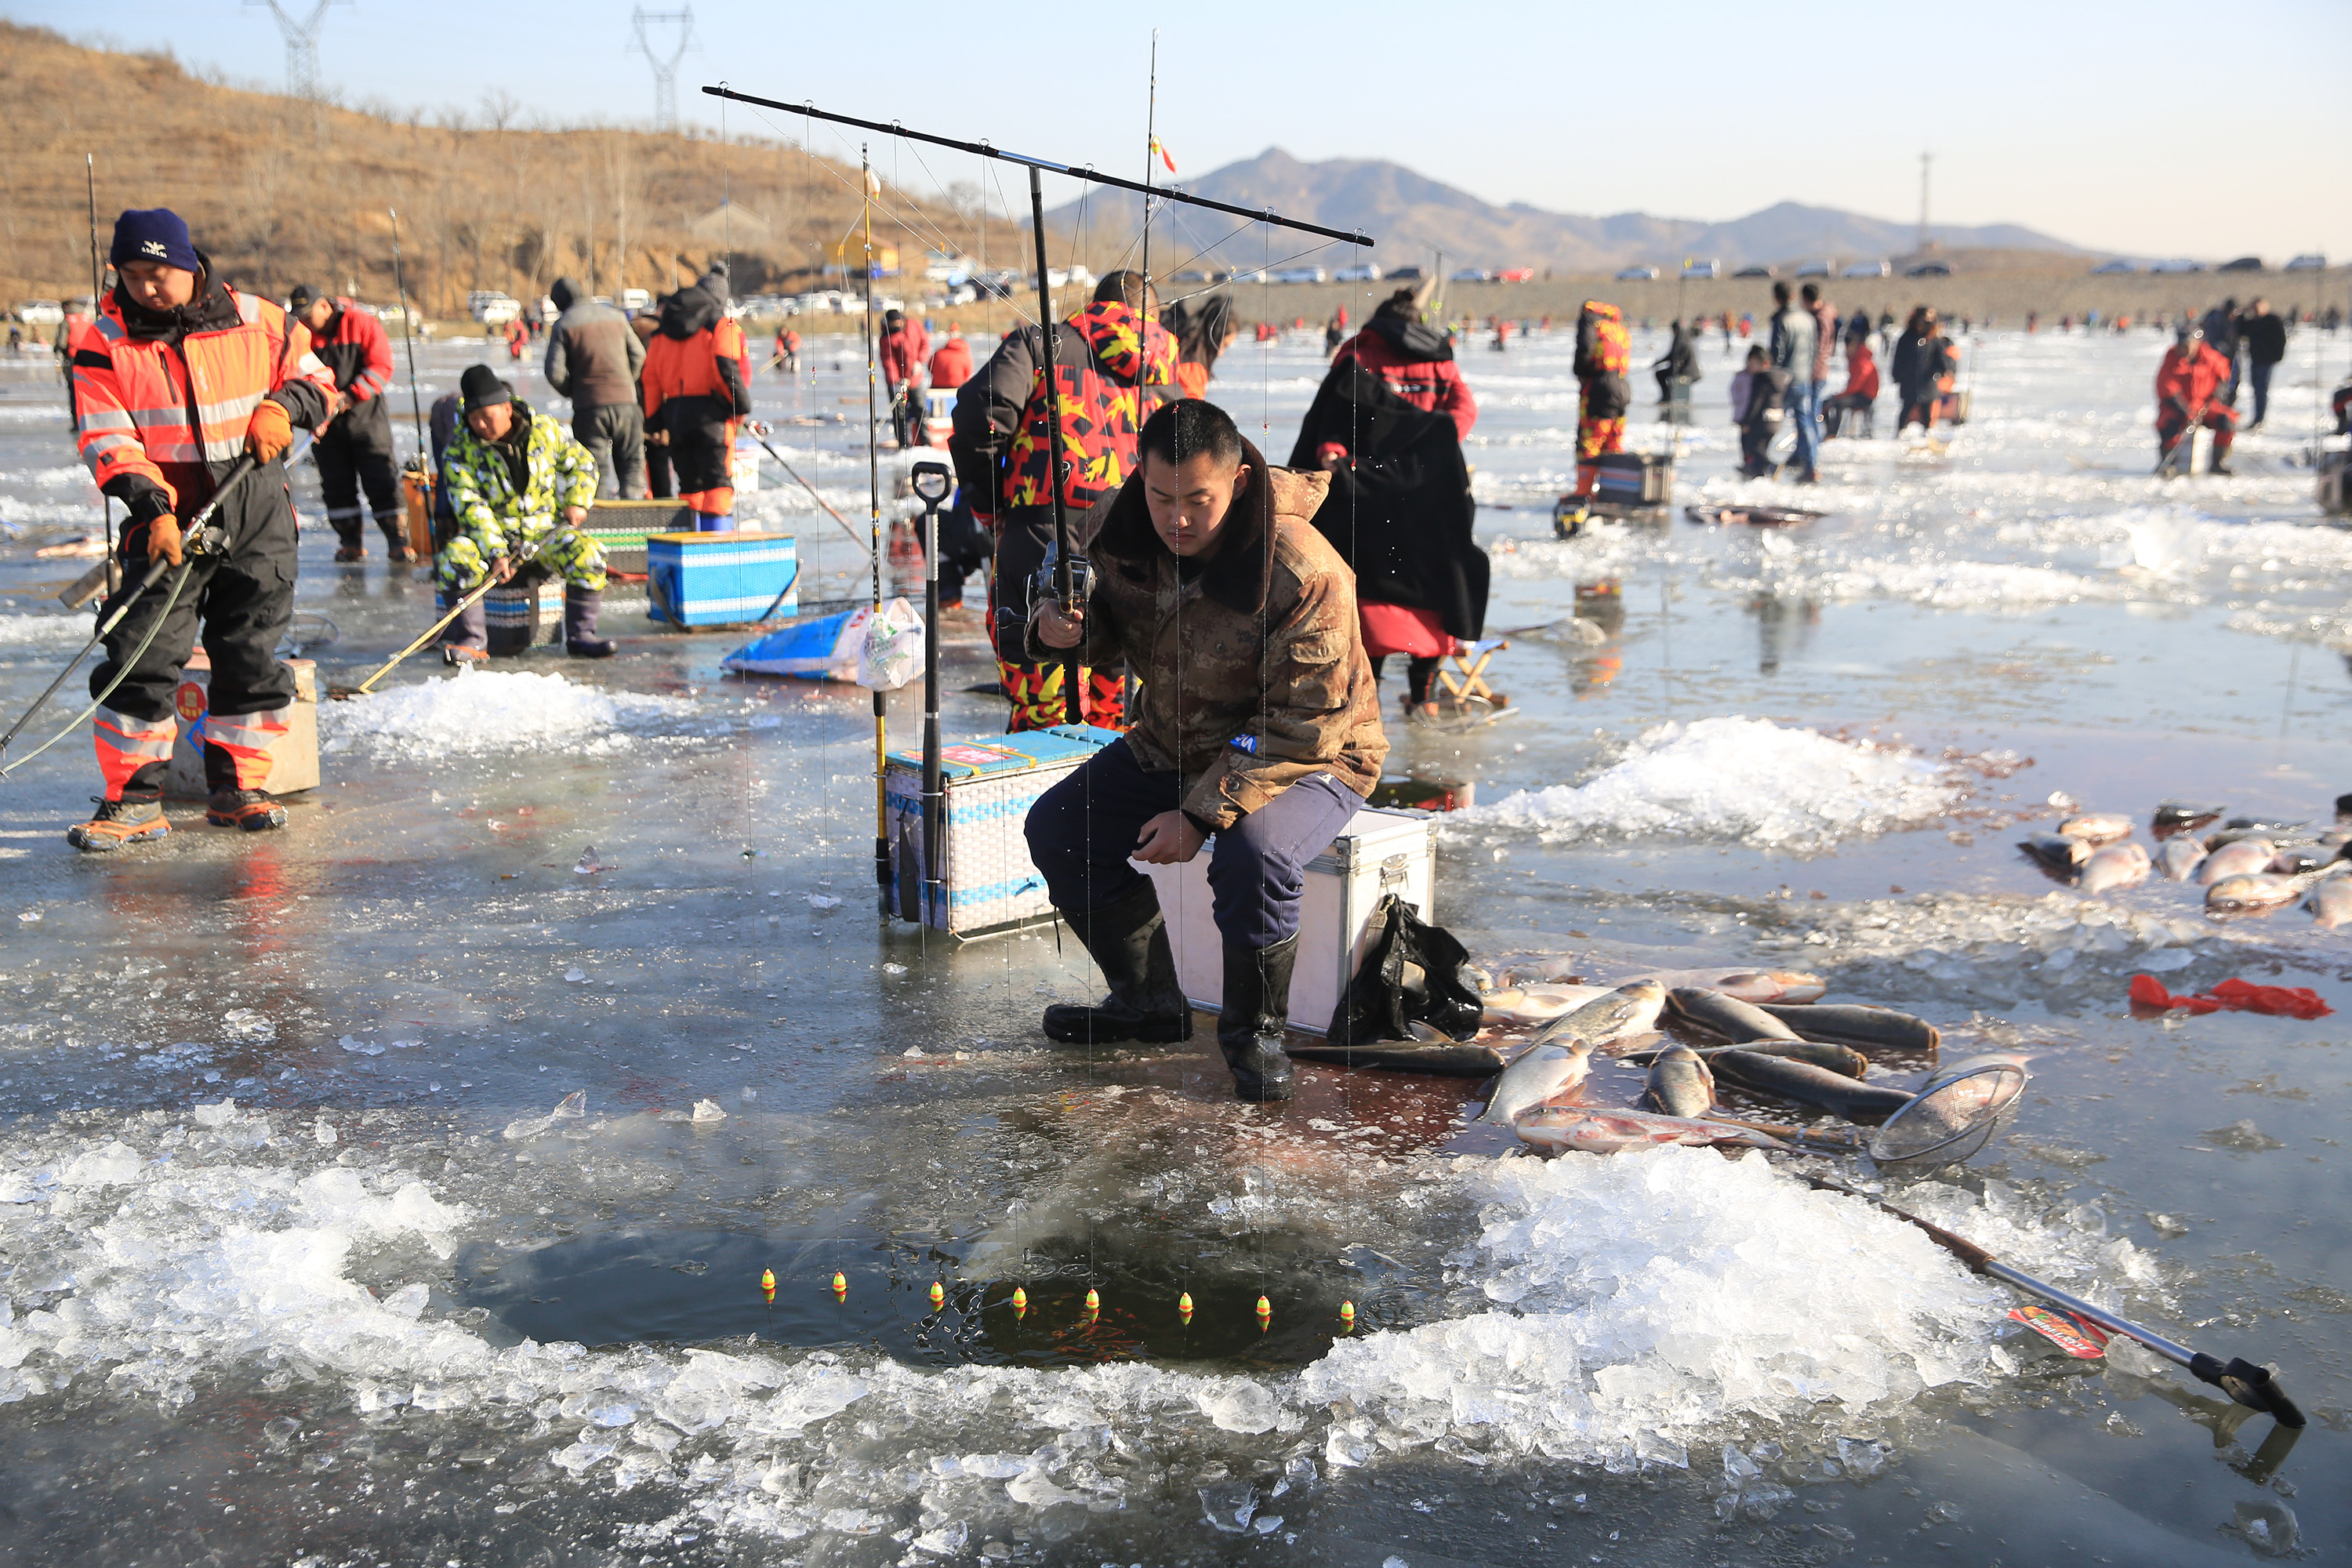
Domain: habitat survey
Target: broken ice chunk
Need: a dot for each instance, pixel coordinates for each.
(244, 1024)
(574, 976)
(1228, 1505)
(823, 902)
(589, 864)
(708, 1111)
(364, 1047)
(574, 1104)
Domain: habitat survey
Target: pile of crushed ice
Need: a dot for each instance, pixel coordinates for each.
(1639, 1305)
(474, 712)
(39, 632)
(1745, 779)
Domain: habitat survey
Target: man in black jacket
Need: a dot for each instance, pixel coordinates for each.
(2264, 337)
(592, 358)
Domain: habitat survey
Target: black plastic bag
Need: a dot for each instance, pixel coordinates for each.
(1411, 973)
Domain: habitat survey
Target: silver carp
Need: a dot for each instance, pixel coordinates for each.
(2173, 815)
(1590, 1130)
(2117, 866)
(2250, 893)
(2242, 859)
(1866, 1029)
(1747, 985)
(1438, 1058)
(1842, 1059)
(2055, 851)
(1804, 1083)
(2331, 902)
(1696, 1010)
(1628, 1010)
(2096, 826)
(1544, 1069)
(2181, 856)
(1679, 1084)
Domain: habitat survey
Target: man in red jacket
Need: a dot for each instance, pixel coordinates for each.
(1860, 387)
(906, 353)
(355, 451)
(2188, 394)
(951, 363)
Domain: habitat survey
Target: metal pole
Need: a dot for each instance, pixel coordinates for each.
(1073, 708)
(407, 334)
(874, 503)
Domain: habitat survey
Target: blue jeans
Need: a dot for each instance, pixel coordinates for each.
(1805, 411)
(1082, 830)
(2260, 375)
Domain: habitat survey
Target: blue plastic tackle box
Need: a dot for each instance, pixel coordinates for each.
(987, 877)
(721, 579)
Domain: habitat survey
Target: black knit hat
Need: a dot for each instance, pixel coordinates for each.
(482, 388)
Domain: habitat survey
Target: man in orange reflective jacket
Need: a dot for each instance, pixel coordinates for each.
(698, 384)
(180, 377)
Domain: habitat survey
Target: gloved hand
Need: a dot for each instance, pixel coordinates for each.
(163, 540)
(268, 433)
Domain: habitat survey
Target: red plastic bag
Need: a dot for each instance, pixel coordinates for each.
(2238, 995)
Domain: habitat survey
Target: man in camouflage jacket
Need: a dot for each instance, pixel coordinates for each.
(508, 474)
(1259, 724)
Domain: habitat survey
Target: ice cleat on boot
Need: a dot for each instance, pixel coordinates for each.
(580, 638)
(117, 825)
(460, 657)
(248, 809)
(1250, 1025)
(1129, 941)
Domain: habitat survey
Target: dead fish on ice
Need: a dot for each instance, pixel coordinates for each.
(2175, 815)
(2242, 858)
(2056, 851)
(1864, 1028)
(2181, 856)
(1546, 1068)
(1843, 1060)
(1680, 1084)
(1803, 1081)
(2096, 827)
(1699, 1011)
(1747, 985)
(1438, 1058)
(1536, 1004)
(2253, 893)
(1590, 1130)
(1614, 1015)
(2331, 902)
(2117, 866)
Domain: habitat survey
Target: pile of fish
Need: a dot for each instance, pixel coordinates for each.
(2247, 866)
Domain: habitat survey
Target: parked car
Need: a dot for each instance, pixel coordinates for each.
(637, 299)
(491, 308)
(1516, 275)
(2242, 264)
(1474, 275)
(1706, 269)
(1868, 269)
(1370, 272)
(1757, 272)
(1192, 274)
(1404, 275)
(2310, 262)
(2113, 269)
(1928, 270)
(1302, 275)
(1636, 274)
(1814, 269)
(40, 312)
(2177, 264)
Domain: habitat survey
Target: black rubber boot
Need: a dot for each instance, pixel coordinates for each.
(1129, 941)
(466, 639)
(1249, 1028)
(580, 638)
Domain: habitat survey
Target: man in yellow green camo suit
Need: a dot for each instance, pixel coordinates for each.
(514, 477)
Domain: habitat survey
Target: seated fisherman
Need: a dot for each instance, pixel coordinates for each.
(1258, 722)
(506, 475)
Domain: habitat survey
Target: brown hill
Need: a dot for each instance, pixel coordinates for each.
(279, 191)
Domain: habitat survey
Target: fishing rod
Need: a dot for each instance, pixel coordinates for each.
(931, 484)
(983, 150)
(871, 187)
(97, 292)
(1073, 705)
(473, 597)
(760, 433)
(200, 536)
(1150, 147)
(407, 336)
(2255, 1387)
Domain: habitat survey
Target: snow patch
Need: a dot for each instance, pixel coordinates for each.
(475, 713)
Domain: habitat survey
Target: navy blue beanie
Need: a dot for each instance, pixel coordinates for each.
(153, 234)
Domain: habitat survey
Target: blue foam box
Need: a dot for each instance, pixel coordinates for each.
(720, 579)
(987, 880)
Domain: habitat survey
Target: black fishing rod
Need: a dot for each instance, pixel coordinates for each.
(96, 293)
(982, 149)
(1064, 590)
(408, 338)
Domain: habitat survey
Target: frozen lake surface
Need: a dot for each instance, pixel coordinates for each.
(395, 1189)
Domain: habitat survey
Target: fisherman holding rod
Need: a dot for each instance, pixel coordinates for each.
(1259, 723)
(180, 380)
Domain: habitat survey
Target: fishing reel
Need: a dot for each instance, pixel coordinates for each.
(1045, 584)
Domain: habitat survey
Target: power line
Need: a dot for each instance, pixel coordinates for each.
(664, 71)
(301, 47)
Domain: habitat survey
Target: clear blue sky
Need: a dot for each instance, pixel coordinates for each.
(2154, 128)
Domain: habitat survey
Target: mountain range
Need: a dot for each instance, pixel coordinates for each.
(1411, 216)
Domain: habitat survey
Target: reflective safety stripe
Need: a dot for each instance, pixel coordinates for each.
(136, 737)
(109, 419)
(219, 416)
(247, 738)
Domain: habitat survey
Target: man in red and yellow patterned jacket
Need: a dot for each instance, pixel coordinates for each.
(180, 377)
(1113, 364)
(1603, 355)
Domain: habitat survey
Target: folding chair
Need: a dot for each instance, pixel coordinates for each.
(1466, 681)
